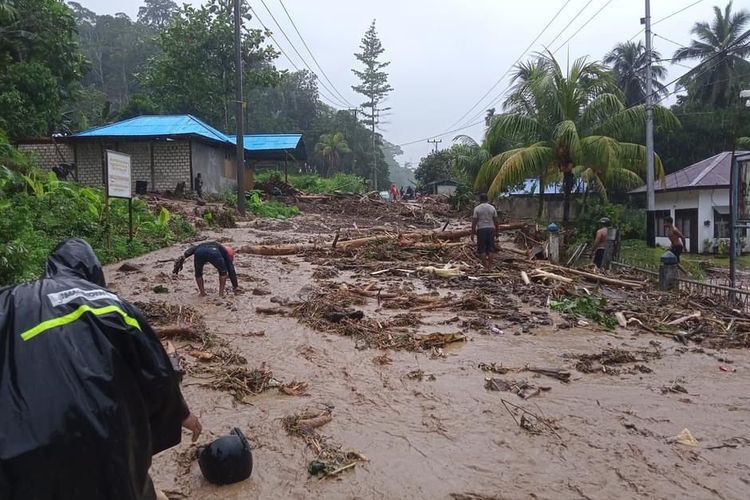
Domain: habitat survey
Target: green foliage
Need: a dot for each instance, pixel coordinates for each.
(722, 48)
(41, 66)
(270, 209)
(628, 61)
(38, 211)
(462, 198)
(332, 147)
(587, 306)
(194, 72)
(374, 87)
(436, 166)
(630, 222)
(315, 184)
(568, 124)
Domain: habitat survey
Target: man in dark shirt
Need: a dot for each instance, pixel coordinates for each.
(199, 185)
(219, 256)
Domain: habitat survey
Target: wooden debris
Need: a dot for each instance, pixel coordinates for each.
(538, 273)
(525, 278)
(597, 277)
(621, 319)
(679, 321)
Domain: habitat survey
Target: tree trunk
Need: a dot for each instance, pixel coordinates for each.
(567, 189)
(540, 211)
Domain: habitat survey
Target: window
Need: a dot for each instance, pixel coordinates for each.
(659, 216)
(721, 222)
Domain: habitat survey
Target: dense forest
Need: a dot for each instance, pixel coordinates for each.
(69, 68)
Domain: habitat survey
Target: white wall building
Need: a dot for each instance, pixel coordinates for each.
(697, 198)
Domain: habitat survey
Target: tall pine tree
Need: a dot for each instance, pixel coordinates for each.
(375, 88)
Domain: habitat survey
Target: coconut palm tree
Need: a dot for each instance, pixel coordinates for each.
(568, 125)
(722, 47)
(331, 147)
(628, 61)
(468, 156)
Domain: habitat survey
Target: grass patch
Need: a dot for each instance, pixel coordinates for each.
(637, 253)
(315, 184)
(270, 209)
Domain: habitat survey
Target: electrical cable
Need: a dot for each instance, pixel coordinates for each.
(569, 23)
(313, 57)
(502, 77)
(665, 18)
(342, 103)
(583, 26)
(278, 46)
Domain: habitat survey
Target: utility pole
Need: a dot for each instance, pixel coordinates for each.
(435, 142)
(240, 128)
(374, 156)
(650, 198)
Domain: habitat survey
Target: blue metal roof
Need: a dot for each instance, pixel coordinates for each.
(157, 125)
(268, 142)
(531, 187)
(261, 146)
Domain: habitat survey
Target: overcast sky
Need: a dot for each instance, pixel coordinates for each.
(446, 54)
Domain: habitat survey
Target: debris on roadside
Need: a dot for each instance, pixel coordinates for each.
(612, 361)
(522, 388)
(329, 460)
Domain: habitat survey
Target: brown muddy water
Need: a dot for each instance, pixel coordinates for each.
(609, 435)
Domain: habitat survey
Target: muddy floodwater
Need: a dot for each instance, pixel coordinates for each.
(443, 434)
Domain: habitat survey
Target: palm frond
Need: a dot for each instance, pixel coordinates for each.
(489, 170)
(531, 162)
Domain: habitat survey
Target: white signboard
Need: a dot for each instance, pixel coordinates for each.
(118, 175)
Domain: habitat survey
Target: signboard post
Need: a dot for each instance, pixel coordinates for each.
(119, 183)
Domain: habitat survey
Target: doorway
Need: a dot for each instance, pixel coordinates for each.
(686, 220)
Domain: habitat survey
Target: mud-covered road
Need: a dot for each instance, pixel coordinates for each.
(606, 436)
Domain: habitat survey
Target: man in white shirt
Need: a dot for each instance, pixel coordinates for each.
(484, 225)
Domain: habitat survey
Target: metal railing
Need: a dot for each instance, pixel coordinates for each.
(734, 297)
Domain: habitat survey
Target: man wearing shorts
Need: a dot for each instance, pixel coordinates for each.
(484, 226)
(600, 242)
(676, 239)
(219, 256)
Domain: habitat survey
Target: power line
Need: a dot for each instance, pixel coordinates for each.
(667, 17)
(291, 61)
(570, 22)
(502, 77)
(311, 55)
(500, 96)
(342, 103)
(583, 26)
(441, 135)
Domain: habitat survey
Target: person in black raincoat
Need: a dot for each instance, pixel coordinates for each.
(87, 392)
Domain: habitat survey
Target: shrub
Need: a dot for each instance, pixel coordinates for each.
(631, 222)
(37, 211)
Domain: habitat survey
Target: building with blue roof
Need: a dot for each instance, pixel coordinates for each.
(166, 151)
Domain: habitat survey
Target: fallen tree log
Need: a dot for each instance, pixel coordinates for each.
(405, 239)
(597, 277)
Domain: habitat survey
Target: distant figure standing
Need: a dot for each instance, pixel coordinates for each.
(600, 241)
(409, 193)
(484, 225)
(394, 192)
(676, 239)
(199, 185)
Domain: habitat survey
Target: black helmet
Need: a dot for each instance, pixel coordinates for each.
(227, 460)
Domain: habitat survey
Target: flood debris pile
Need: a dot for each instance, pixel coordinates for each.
(330, 310)
(330, 459)
(616, 361)
(176, 321)
(243, 383)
